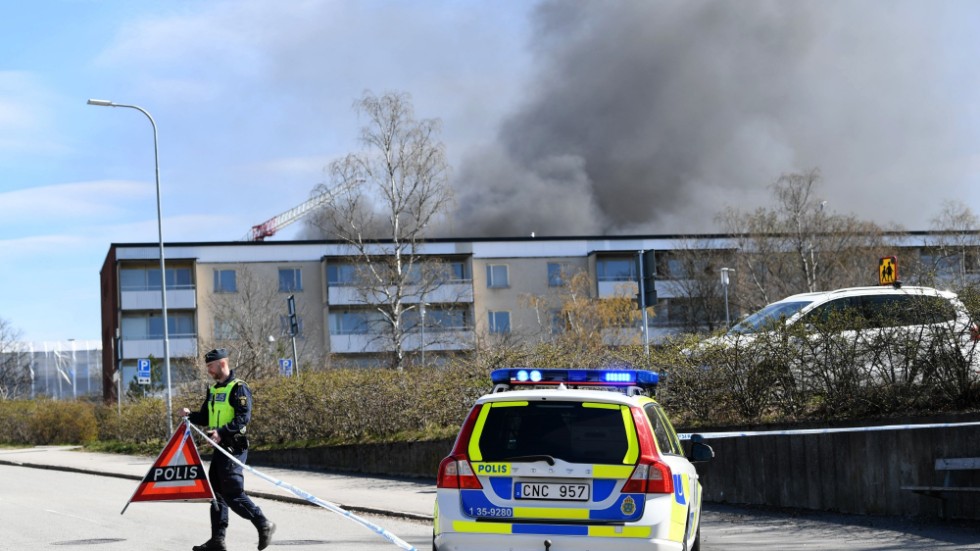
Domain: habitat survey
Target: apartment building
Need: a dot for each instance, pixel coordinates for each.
(483, 296)
(485, 293)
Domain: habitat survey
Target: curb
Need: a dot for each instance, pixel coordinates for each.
(264, 495)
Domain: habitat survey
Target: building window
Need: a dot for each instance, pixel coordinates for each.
(616, 269)
(971, 262)
(225, 281)
(559, 322)
(224, 330)
(148, 279)
(497, 276)
(353, 322)
(556, 274)
(499, 322)
(437, 319)
(290, 280)
(341, 274)
(457, 269)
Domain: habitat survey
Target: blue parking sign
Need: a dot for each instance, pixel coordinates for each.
(285, 367)
(143, 371)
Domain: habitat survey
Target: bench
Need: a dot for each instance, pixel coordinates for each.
(948, 465)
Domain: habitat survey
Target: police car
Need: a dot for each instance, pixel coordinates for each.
(569, 460)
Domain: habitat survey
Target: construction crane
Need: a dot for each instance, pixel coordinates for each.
(271, 226)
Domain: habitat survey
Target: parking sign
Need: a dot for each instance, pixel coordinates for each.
(143, 371)
(285, 367)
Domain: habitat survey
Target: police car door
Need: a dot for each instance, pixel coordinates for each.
(686, 511)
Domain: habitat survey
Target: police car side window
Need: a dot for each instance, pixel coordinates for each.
(661, 430)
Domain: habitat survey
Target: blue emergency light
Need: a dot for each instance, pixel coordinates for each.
(526, 376)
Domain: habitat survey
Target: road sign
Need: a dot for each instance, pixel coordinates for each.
(286, 367)
(293, 323)
(887, 270)
(143, 371)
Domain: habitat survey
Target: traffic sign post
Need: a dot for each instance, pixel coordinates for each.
(293, 327)
(143, 371)
(285, 367)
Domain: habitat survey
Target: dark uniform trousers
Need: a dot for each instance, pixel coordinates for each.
(229, 489)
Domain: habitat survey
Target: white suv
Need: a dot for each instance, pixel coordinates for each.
(923, 315)
(570, 466)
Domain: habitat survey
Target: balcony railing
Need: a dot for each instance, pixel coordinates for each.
(177, 299)
(180, 346)
(461, 339)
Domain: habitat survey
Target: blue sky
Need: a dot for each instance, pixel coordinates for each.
(253, 99)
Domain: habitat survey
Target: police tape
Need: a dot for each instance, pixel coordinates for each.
(795, 432)
(313, 499)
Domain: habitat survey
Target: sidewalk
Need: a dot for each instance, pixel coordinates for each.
(358, 494)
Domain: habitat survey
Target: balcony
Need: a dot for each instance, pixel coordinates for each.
(177, 299)
(665, 288)
(144, 348)
(450, 293)
(461, 339)
(624, 288)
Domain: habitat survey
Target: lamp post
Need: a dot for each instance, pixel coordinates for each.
(724, 283)
(163, 270)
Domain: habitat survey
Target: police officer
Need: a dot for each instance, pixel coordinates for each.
(226, 412)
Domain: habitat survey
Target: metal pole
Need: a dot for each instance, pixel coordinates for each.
(423, 333)
(728, 321)
(163, 268)
(724, 283)
(74, 371)
(295, 362)
(643, 307)
(31, 367)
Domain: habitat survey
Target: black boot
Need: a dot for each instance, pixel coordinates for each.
(213, 544)
(266, 528)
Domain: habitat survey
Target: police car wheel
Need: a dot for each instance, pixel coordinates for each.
(696, 546)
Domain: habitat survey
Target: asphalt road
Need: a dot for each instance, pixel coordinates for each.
(42, 509)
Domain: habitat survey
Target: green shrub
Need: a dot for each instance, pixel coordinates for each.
(63, 422)
(15, 416)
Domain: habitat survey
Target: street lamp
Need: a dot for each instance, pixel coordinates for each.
(163, 270)
(724, 283)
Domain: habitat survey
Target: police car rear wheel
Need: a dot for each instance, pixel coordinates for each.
(696, 546)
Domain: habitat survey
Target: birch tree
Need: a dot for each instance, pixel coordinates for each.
(800, 245)
(401, 191)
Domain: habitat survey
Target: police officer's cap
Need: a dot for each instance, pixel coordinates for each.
(215, 355)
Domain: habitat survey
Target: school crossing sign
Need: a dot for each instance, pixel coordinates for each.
(888, 270)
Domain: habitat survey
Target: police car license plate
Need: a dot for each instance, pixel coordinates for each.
(553, 491)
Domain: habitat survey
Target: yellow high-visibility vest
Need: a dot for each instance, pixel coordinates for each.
(220, 410)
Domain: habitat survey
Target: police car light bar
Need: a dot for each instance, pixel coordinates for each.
(522, 376)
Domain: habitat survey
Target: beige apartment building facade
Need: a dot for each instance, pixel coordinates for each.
(485, 296)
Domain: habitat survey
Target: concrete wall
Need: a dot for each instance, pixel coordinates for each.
(859, 473)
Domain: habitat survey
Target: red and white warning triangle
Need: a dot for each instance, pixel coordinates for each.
(177, 474)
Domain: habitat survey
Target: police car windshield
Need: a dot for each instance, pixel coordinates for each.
(767, 318)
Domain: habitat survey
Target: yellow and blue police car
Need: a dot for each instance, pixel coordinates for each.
(569, 460)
